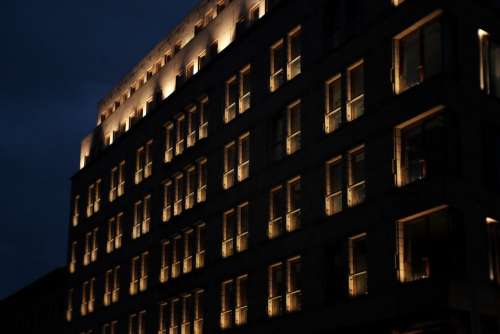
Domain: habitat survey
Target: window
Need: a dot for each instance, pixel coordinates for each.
(69, 306)
(187, 307)
(76, 211)
(91, 247)
(294, 53)
(293, 132)
(209, 17)
(111, 286)
(198, 312)
(245, 89)
(490, 64)
(334, 186)
(333, 115)
(229, 165)
(203, 129)
(176, 256)
(356, 189)
(174, 316)
(397, 2)
(191, 189)
(231, 99)
(88, 297)
(418, 53)
(183, 314)
(190, 70)
(94, 198)
(72, 262)
(255, 13)
(234, 305)
(202, 180)
(142, 217)
(180, 135)
(358, 272)
(235, 230)
(110, 328)
(192, 134)
(200, 246)
(421, 147)
(139, 273)
(277, 66)
(165, 261)
(238, 94)
(355, 91)
(202, 60)
(277, 204)
(114, 233)
(493, 231)
(187, 262)
(144, 162)
(168, 200)
(284, 293)
(137, 323)
(179, 194)
(421, 242)
(169, 142)
(244, 157)
(163, 318)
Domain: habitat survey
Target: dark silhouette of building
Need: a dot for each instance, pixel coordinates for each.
(295, 166)
(37, 308)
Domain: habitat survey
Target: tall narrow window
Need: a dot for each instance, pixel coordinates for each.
(241, 309)
(84, 304)
(356, 187)
(229, 165)
(114, 240)
(91, 304)
(169, 142)
(200, 246)
(242, 227)
(111, 286)
(294, 53)
(245, 89)
(358, 269)
(148, 168)
(493, 230)
(293, 138)
(72, 261)
(228, 229)
(180, 135)
(418, 52)
(355, 91)
(76, 211)
(293, 204)
(284, 295)
(227, 303)
(87, 251)
(490, 64)
(244, 157)
(69, 306)
(142, 217)
(187, 305)
(176, 256)
(165, 262)
(276, 212)
(334, 186)
(143, 283)
(198, 312)
(187, 263)
(113, 184)
(234, 305)
(203, 130)
(231, 99)
(121, 179)
(293, 286)
(275, 291)
(333, 115)
(174, 316)
(134, 275)
(191, 178)
(420, 242)
(168, 200)
(179, 194)
(95, 245)
(139, 165)
(115, 294)
(163, 318)
(202, 180)
(192, 126)
(421, 147)
(277, 65)
(94, 198)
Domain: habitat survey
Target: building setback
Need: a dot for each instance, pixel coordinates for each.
(297, 166)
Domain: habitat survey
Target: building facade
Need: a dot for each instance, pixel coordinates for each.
(297, 166)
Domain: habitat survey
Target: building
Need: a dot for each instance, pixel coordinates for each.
(297, 166)
(37, 308)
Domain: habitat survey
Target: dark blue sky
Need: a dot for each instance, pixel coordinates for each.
(58, 58)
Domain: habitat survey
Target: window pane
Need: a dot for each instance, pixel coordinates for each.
(432, 49)
(495, 68)
(409, 60)
(357, 167)
(356, 81)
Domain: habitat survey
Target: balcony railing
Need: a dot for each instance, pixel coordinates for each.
(203, 131)
(115, 295)
(333, 203)
(275, 227)
(148, 170)
(187, 265)
(176, 269)
(245, 102)
(164, 271)
(113, 194)
(145, 225)
(294, 68)
(139, 175)
(293, 143)
(243, 170)
(179, 147)
(333, 120)
(167, 213)
(293, 301)
(356, 194)
(228, 179)
(107, 298)
(202, 193)
(227, 247)
(226, 319)
(121, 188)
(118, 241)
(169, 154)
(230, 112)
(200, 259)
(191, 139)
(356, 107)
(186, 328)
(241, 315)
(358, 283)
(277, 79)
(274, 306)
(293, 220)
(178, 206)
(190, 198)
(242, 242)
(136, 231)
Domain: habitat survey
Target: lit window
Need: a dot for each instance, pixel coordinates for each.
(202, 60)
(88, 297)
(187, 261)
(202, 180)
(235, 230)
(293, 192)
(356, 190)
(114, 233)
(276, 212)
(94, 198)
(421, 241)
(293, 134)
(493, 230)
(139, 273)
(174, 316)
(113, 184)
(144, 162)
(334, 186)
(86, 254)
(228, 228)
(76, 210)
(142, 217)
(333, 115)
(358, 272)
(244, 157)
(198, 312)
(165, 261)
(490, 64)
(284, 293)
(277, 66)
(179, 194)
(191, 179)
(192, 124)
(229, 165)
(95, 246)
(203, 128)
(137, 323)
(209, 17)
(163, 318)
(277, 205)
(72, 263)
(69, 306)
(176, 256)
(111, 286)
(255, 13)
(234, 305)
(245, 89)
(294, 67)
(180, 135)
(110, 328)
(169, 142)
(355, 91)
(421, 146)
(187, 305)
(231, 99)
(148, 169)
(418, 53)
(168, 200)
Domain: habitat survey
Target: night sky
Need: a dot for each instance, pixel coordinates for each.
(58, 58)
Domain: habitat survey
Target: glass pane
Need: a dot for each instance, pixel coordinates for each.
(357, 166)
(495, 68)
(359, 252)
(335, 177)
(277, 58)
(295, 46)
(409, 60)
(294, 275)
(294, 193)
(232, 92)
(432, 49)
(334, 95)
(356, 81)
(243, 220)
(294, 121)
